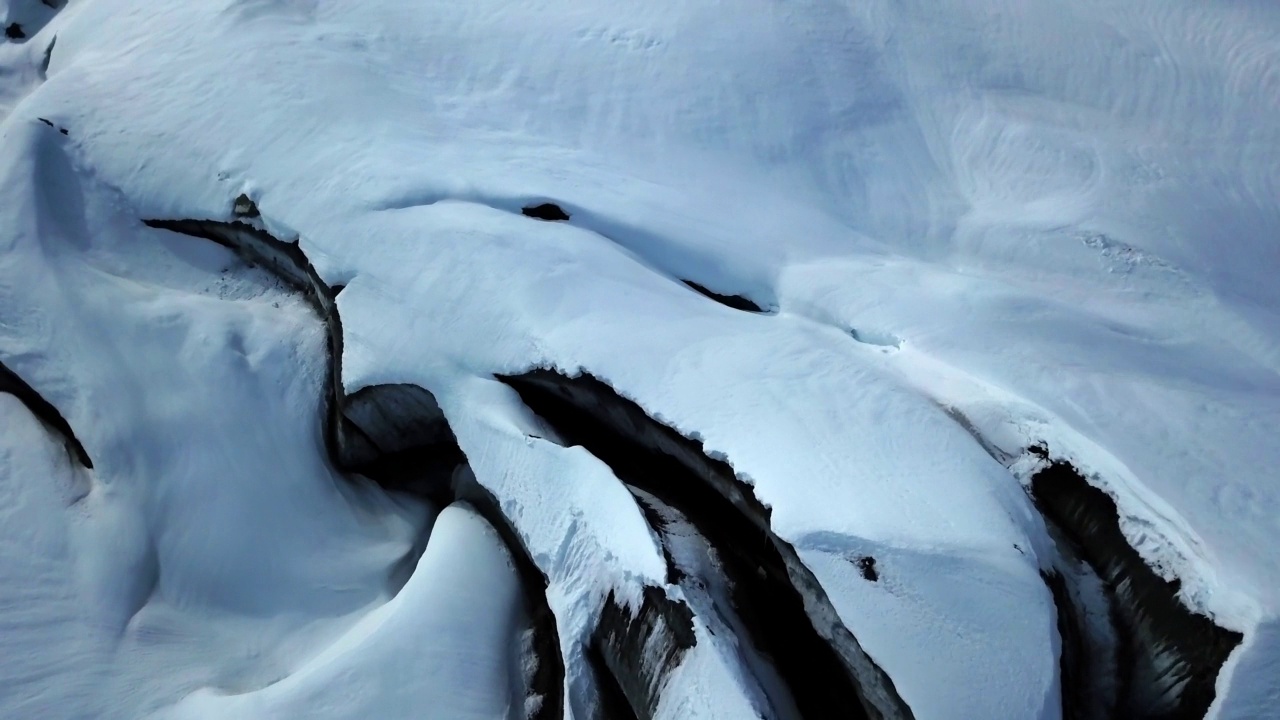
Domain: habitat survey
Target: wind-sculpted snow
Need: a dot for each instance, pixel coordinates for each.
(861, 254)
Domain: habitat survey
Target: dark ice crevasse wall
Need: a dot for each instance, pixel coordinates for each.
(396, 434)
(1151, 657)
(1171, 656)
(635, 649)
(788, 616)
(14, 385)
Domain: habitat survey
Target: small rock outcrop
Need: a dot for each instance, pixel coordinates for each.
(737, 302)
(545, 211)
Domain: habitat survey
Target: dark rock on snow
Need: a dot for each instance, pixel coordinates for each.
(737, 302)
(545, 211)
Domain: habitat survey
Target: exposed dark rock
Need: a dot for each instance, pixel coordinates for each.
(245, 207)
(737, 302)
(15, 32)
(48, 56)
(49, 122)
(789, 619)
(639, 647)
(1172, 655)
(398, 436)
(545, 211)
(867, 566)
(48, 414)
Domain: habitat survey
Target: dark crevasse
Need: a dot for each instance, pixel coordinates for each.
(396, 435)
(737, 302)
(1169, 656)
(47, 58)
(550, 212)
(612, 702)
(788, 617)
(287, 262)
(14, 385)
(696, 567)
(1149, 656)
(1088, 658)
(1072, 660)
(1093, 659)
(547, 681)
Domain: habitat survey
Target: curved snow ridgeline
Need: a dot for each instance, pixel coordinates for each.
(556, 359)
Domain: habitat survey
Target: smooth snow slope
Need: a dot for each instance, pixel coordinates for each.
(1059, 218)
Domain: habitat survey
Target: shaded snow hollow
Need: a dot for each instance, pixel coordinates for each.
(863, 255)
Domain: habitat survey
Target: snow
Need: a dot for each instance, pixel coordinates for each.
(1056, 219)
(914, 605)
(462, 601)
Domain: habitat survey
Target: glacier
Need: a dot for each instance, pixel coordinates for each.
(559, 359)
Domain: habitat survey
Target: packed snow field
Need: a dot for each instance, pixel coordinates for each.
(882, 359)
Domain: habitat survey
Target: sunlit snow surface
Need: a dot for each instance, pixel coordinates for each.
(1058, 219)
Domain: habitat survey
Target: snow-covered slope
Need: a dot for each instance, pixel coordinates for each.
(971, 228)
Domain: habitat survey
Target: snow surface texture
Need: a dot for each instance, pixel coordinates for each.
(1056, 220)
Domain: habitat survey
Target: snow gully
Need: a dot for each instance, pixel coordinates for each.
(785, 612)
